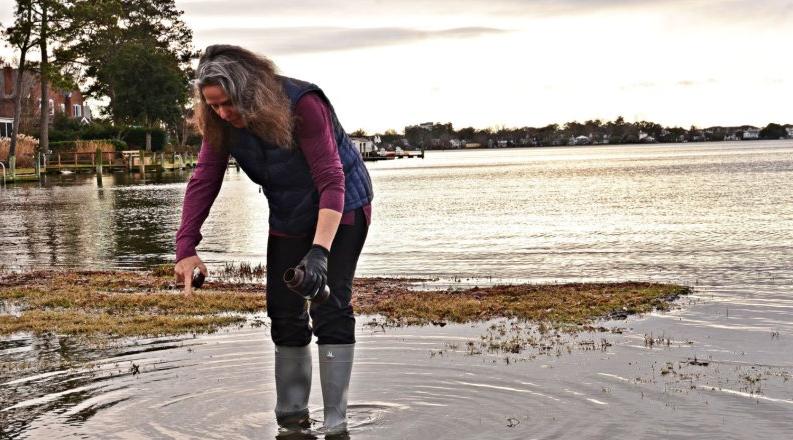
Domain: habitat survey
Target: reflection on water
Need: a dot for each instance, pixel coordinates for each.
(677, 212)
(74, 221)
(718, 217)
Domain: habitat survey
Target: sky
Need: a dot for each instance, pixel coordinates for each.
(492, 63)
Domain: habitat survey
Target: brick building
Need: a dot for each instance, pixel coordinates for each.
(69, 102)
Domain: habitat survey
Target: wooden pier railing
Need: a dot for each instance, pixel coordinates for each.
(101, 162)
(129, 160)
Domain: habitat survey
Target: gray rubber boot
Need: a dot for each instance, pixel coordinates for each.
(292, 384)
(335, 367)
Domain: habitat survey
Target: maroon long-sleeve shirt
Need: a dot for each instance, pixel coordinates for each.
(314, 133)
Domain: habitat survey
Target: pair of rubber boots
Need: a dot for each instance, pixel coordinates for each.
(293, 385)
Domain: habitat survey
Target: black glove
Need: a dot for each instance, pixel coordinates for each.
(315, 268)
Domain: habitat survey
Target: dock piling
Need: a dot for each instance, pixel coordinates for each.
(98, 161)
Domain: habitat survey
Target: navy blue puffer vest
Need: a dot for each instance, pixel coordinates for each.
(285, 175)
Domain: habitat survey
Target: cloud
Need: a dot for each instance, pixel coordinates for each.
(324, 39)
(693, 83)
(639, 85)
(354, 8)
(668, 84)
(409, 7)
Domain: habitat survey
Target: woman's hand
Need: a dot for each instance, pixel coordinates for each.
(315, 268)
(184, 272)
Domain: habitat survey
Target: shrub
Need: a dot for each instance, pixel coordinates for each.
(59, 146)
(92, 145)
(63, 135)
(98, 131)
(86, 146)
(27, 146)
(135, 137)
(118, 144)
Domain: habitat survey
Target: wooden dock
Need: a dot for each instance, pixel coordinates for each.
(102, 162)
(114, 161)
(390, 155)
(135, 161)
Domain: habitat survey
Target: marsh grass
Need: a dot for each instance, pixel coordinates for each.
(564, 304)
(231, 272)
(136, 303)
(120, 303)
(102, 323)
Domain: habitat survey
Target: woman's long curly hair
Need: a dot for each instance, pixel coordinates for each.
(250, 82)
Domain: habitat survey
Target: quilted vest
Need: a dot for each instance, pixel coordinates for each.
(285, 176)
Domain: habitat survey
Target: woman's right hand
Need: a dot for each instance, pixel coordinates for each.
(184, 272)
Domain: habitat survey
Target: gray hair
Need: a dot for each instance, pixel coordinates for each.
(253, 87)
(230, 75)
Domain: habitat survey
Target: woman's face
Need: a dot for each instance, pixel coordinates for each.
(216, 98)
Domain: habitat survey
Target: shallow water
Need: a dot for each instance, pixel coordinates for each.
(418, 383)
(718, 217)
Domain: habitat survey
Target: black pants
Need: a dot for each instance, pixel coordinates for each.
(333, 320)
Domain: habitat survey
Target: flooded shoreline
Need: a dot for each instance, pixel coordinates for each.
(707, 367)
(449, 381)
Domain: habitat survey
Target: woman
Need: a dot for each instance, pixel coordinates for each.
(285, 135)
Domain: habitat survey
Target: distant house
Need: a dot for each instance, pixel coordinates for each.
(751, 133)
(604, 139)
(645, 138)
(580, 140)
(789, 131)
(364, 145)
(733, 136)
(455, 143)
(426, 125)
(68, 102)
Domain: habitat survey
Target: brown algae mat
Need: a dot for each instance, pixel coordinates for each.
(123, 303)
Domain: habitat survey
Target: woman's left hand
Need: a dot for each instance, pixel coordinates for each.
(315, 268)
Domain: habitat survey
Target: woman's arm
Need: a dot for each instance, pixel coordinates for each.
(318, 144)
(327, 225)
(202, 189)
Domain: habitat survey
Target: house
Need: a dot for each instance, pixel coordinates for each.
(580, 140)
(751, 133)
(364, 145)
(68, 102)
(645, 138)
(734, 136)
(789, 131)
(426, 125)
(600, 140)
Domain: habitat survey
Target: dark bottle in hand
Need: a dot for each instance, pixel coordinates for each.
(295, 278)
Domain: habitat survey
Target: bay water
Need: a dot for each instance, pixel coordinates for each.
(716, 216)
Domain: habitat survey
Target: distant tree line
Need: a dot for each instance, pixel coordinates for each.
(444, 136)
